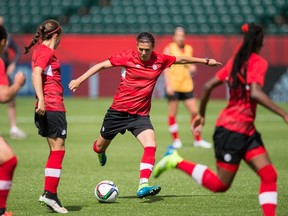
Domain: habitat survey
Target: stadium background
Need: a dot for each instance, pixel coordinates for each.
(95, 29)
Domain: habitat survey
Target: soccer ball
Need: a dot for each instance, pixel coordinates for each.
(106, 191)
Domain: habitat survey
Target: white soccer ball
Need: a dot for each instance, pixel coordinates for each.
(106, 191)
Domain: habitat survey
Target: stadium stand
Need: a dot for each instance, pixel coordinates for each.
(157, 16)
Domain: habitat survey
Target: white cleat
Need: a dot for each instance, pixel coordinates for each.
(54, 204)
(16, 133)
(203, 144)
(177, 144)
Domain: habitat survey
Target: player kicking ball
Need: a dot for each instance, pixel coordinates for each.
(132, 101)
(235, 137)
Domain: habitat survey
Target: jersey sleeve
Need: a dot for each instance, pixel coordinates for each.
(43, 58)
(119, 59)
(223, 73)
(257, 72)
(168, 61)
(3, 76)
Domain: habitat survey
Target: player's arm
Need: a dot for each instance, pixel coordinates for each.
(193, 60)
(12, 65)
(38, 87)
(258, 95)
(74, 84)
(7, 93)
(205, 95)
(168, 86)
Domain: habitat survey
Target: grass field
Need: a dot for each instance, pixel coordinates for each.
(179, 196)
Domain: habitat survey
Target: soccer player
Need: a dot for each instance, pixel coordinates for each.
(10, 65)
(132, 101)
(179, 87)
(235, 136)
(50, 118)
(8, 160)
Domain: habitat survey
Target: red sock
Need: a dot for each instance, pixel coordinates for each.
(196, 134)
(147, 164)
(173, 127)
(53, 170)
(203, 176)
(6, 175)
(268, 190)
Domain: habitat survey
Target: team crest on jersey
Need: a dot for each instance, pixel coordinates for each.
(154, 67)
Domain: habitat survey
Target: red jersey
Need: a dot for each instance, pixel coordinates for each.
(3, 75)
(138, 80)
(239, 115)
(44, 58)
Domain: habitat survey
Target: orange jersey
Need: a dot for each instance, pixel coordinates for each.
(179, 75)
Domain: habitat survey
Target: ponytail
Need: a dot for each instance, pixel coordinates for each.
(45, 31)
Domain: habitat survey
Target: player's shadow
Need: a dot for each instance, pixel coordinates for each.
(152, 199)
(74, 208)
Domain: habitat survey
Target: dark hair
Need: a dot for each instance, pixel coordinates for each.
(146, 37)
(3, 33)
(45, 31)
(252, 43)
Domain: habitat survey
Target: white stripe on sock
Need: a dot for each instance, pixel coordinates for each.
(144, 166)
(198, 172)
(143, 180)
(5, 185)
(268, 198)
(53, 172)
(173, 128)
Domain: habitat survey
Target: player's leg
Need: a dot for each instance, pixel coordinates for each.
(8, 162)
(147, 140)
(259, 161)
(191, 105)
(99, 146)
(172, 122)
(15, 132)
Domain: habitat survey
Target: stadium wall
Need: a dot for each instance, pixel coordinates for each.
(78, 52)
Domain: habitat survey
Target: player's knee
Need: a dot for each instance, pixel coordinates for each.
(268, 174)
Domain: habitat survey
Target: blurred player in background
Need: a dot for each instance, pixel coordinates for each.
(132, 101)
(235, 136)
(179, 87)
(50, 118)
(8, 160)
(10, 65)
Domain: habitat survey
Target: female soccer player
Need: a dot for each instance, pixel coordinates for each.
(179, 87)
(235, 136)
(8, 160)
(132, 101)
(50, 116)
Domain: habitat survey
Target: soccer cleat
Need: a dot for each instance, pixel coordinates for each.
(101, 156)
(203, 144)
(52, 201)
(145, 190)
(177, 143)
(16, 133)
(169, 161)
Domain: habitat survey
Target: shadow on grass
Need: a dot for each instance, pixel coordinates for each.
(74, 208)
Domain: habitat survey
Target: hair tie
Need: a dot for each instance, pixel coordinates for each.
(53, 31)
(245, 28)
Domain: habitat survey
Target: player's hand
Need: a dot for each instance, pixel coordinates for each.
(19, 79)
(197, 122)
(73, 85)
(213, 62)
(40, 110)
(169, 90)
(11, 68)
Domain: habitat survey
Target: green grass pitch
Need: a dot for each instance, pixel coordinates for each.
(180, 195)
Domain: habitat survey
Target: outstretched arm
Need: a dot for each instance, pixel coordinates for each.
(74, 84)
(192, 60)
(260, 97)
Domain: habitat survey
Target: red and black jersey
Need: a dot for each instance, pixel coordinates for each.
(240, 113)
(44, 58)
(3, 76)
(138, 80)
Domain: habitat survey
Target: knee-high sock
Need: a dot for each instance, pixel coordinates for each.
(53, 170)
(173, 127)
(147, 164)
(6, 175)
(203, 176)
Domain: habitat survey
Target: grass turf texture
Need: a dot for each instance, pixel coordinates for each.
(180, 195)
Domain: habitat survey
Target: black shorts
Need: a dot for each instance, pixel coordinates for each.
(53, 124)
(180, 96)
(231, 147)
(118, 122)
